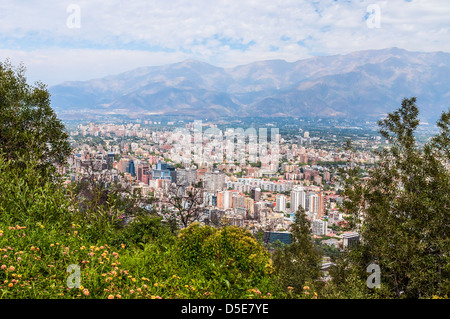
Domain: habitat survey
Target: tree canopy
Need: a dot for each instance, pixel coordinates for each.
(402, 211)
(28, 125)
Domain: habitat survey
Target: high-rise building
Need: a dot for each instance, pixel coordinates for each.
(142, 169)
(227, 198)
(298, 198)
(220, 196)
(319, 227)
(131, 169)
(163, 171)
(110, 160)
(249, 204)
(123, 165)
(321, 205)
(214, 181)
(259, 206)
(314, 206)
(350, 240)
(256, 194)
(318, 179)
(334, 217)
(280, 203)
(186, 177)
(238, 201)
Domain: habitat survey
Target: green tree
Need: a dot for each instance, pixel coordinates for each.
(300, 261)
(28, 125)
(348, 144)
(402, 211)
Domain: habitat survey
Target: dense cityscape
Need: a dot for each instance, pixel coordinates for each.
(255, 195)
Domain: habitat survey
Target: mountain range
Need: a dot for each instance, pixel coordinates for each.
(362, 84)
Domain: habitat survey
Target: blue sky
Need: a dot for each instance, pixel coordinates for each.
(115, 36)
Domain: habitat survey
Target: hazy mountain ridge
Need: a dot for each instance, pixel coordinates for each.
(361, 84)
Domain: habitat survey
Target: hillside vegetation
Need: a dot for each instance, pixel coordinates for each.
(55, 243)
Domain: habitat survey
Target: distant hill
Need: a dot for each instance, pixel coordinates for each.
(363, 84)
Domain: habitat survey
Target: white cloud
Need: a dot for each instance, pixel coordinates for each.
(117, 35)
(55, 66)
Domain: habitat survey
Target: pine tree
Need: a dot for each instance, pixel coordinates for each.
(402, 211)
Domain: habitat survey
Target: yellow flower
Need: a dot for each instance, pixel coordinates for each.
(110, 297)
(10, 285)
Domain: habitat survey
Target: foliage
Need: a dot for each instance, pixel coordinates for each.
(28, 125)
(39, 240)
(300, 261)
(401, 212)
(185, 202)
(230, 256)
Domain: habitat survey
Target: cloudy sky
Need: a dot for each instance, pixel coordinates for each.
(60, 40)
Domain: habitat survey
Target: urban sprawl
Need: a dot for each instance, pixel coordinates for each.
(260, 190)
